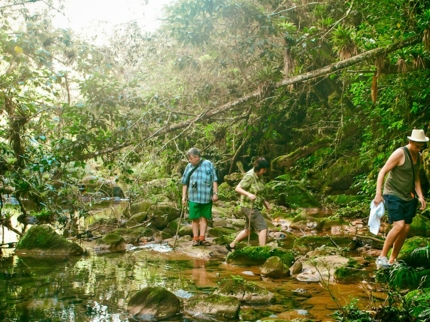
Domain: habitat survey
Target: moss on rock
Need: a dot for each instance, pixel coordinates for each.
(308, 243)
(257, 255)
(44, 239)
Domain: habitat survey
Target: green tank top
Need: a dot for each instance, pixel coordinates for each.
(400, 181)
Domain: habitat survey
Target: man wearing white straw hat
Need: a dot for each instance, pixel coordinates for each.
(400, 188)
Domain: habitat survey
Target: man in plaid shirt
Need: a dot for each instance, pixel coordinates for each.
(202, 189)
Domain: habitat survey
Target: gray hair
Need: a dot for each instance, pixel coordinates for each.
(193, 152)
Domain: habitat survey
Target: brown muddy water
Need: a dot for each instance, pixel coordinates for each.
(98, 288)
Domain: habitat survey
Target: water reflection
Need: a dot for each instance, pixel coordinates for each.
(98, 288)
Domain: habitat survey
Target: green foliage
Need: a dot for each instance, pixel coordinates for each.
(351, 313)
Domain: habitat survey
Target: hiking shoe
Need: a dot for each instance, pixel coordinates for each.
(382, 262)
(195, 242)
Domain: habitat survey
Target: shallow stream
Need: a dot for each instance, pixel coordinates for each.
(98, 288)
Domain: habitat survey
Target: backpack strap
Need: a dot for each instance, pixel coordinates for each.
(192, 171)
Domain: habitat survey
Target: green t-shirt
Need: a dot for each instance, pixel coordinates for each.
(255, 185)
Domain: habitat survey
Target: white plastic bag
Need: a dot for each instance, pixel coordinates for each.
(376, 212)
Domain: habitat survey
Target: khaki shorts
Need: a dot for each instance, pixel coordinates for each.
(199, 210)
(257, 220)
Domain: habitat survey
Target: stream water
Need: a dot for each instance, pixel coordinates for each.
(98, 287)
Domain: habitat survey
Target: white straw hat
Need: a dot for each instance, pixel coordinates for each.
(418, 136)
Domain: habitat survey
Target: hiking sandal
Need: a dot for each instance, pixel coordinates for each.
(229, 248)
(195, 242)
(204, 243)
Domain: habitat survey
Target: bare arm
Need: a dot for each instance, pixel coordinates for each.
(419, 190)
(215, 191)
(242, 191)
(184, 194)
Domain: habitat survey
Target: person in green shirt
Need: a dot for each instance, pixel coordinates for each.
(252, 201)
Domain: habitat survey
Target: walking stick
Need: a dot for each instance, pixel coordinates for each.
(249, 224)
(177, 229)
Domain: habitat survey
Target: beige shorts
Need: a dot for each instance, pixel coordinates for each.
(257, 220)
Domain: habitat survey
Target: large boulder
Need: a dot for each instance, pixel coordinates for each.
(212, 308)
(160, 215)
(320, 268)
(274, 267)
(42, 240)
(244, 291)
(111, 243)
(153, 304)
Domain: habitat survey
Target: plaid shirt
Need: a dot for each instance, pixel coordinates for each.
(255, 185)
(201, 182)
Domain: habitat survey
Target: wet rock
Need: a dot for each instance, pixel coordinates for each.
(349, 275)
(42, 240)
(212, 308)
(111, 243)
(296, 268)
(244, 291)
(320, 268)
(153, 304)
(257, 255)
(274, 267)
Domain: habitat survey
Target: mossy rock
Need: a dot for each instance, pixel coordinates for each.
(141, 206)
(291, 194)
(227, 192)
(308, 243)
(349, 275)
(42, 240)
(420, 226)
(153, 304)
(213, 308)
(244, 291)
(411, 254)
(137, 219)
(233, 179)
(221, 231)
(274, 267)
(131, 236)
(257, 255)
(112, 242)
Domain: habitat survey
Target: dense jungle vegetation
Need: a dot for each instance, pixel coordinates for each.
(326, 90)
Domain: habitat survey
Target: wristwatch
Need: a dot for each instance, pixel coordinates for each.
(216, 193)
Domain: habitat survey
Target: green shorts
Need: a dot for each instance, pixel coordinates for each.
(199, 210)
(257, 220)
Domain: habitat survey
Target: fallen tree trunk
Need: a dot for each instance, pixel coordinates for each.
(256, 94)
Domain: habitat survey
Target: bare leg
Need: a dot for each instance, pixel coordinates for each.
(203, 225)
(392, 236)
(242, 235)
(398, 243)
(195, 227)
(262, 237)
